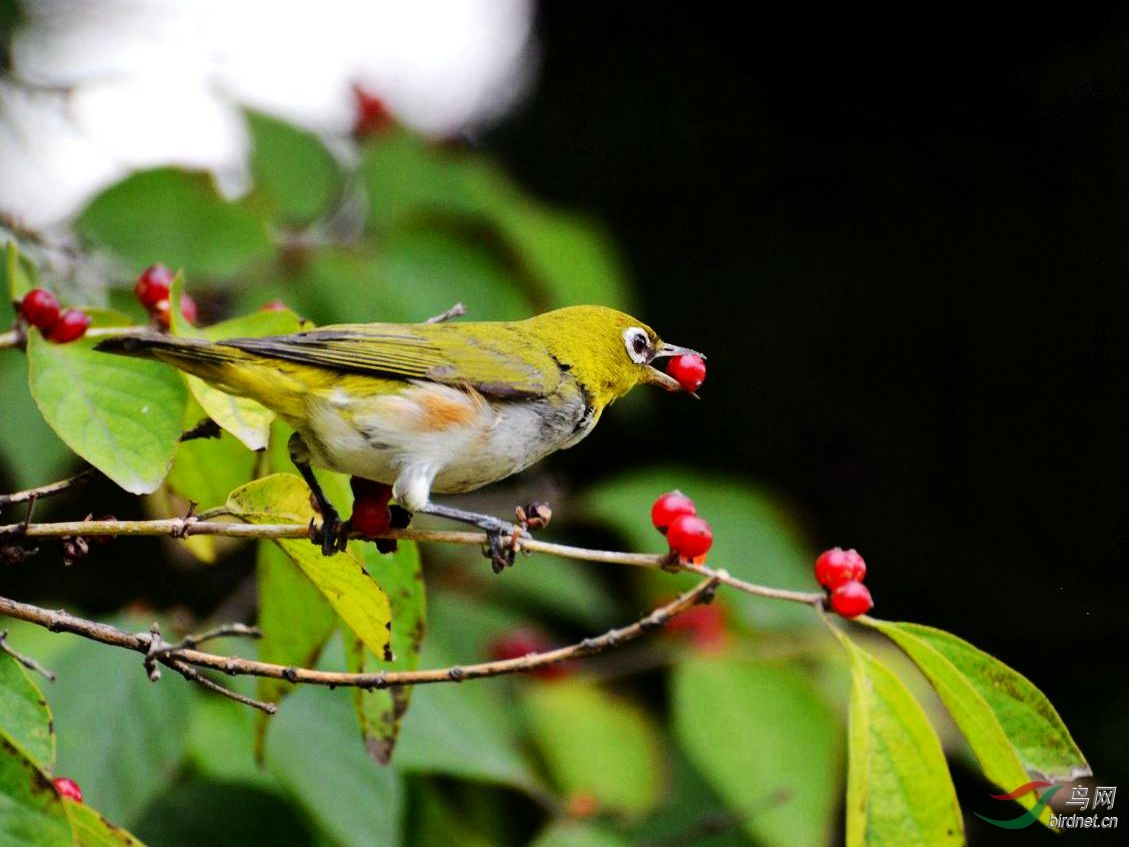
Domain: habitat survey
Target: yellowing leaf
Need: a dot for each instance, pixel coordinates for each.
(898, 786)
(1012, 728)
(356, 598)
(379, 712)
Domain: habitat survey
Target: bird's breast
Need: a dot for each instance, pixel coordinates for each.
(457, 437)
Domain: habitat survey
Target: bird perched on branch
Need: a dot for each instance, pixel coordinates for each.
(441, 407)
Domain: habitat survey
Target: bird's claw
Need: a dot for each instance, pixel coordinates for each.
(332, 534)
(500, 549)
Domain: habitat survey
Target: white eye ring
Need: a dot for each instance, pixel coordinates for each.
(637, 344)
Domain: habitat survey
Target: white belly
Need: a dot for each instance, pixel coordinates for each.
(433, 437)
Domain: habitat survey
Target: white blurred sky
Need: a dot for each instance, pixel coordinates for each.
(103, 87)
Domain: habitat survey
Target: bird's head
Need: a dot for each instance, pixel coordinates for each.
(607, 351)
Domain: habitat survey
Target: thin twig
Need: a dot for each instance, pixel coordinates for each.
(51, 488)
(183, 527)
(456, 311)
(26, 661)
(192, 675)
(156, 651)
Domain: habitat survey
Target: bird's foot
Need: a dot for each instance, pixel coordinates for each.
(332, 534)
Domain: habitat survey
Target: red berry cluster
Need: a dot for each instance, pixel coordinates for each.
(841, 572)
(688, 370)
(152, 291)
(40, 308)
(689, 536)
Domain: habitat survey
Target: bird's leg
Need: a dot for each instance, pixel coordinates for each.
(497, 550)
(332, 534)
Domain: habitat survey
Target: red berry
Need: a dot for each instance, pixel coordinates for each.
(704, 624)
(67, 787)
(162, 312)
(153, 286)
(689, 536)
(523, 641)
(371, 115)
(370, 518)
(71, 325)
(668, 507)
(835, 566)
(851, 599)
(40, 308)
(689, 370)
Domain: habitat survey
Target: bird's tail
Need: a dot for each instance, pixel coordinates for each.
(196, 356)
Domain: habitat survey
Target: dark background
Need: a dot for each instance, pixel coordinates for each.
(903, 241)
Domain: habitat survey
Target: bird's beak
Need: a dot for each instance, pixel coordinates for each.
(656, 377)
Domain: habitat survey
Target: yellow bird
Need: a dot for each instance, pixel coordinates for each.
(441, 407)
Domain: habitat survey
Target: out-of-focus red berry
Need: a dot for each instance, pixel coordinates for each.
(67, 787)
(582, 804)
(668, 507)
(71, 325)
(522, 642)
(162, 311)
(688, 369)
(851, 599)
(153, 286)
(273, 306)
(705, 624)
(371, 115)
(689, 536)
(835, 566)
(40, 308)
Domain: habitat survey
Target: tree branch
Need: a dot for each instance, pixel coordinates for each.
(183, 527)
(185, 660)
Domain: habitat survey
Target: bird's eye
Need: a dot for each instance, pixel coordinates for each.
(638, 345)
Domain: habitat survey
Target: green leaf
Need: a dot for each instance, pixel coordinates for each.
(25, 718)
(296, 620)
(356, 598)
(753, 537)
(244, 418)
(379, 712)
(597, 744)
(19, 272)
(91, 829)
(29, 449)
(31, 811)
(206, 470)
(898, 785)
(405, 176)
(176, 217)
(224, 814)
(115, 728)
(1011, 726)
(122, 415)
(465, 731)
(563, 257)
(567, 833)
(313, 751)
(765, 740)
(294, 173)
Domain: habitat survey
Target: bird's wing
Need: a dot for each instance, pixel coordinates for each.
(493, 358)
